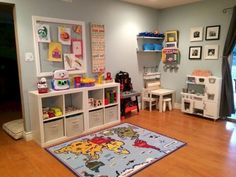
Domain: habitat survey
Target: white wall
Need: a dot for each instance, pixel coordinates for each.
(122, 24)
(182, 18)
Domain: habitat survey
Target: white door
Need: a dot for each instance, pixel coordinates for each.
(211, 110)
(213, 87)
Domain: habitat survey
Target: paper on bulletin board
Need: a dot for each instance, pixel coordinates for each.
(64, 35)
(71, 62)
(98, 47)
(55, 52)
(43, 33)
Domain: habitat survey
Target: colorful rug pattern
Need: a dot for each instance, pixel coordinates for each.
(121, 151)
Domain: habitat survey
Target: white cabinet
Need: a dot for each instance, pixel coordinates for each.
(76, 111)
(202, 96)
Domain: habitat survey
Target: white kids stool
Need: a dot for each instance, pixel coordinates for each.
(165, 102)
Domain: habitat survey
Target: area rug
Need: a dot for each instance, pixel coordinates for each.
(118, 151)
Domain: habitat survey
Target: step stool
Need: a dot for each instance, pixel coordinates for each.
(167, 101)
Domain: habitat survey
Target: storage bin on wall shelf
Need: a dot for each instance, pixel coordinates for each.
(76, 116)
(147, 44)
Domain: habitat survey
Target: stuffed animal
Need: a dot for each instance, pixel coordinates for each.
(60, 80)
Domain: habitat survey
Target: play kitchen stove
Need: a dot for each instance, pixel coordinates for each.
(201, 96)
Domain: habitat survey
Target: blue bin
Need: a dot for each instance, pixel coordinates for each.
(148, 46)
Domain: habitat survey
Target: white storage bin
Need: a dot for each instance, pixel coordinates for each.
(53, 130)
(74, 125)
(95, 118)
(111, 114)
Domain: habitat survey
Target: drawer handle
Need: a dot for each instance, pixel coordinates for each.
(74, 122)
(54, 126)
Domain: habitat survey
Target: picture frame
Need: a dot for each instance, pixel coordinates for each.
(171, 44)
(196, 34)
(195, 52)
(212, 33)
(171, 36)
(211, 52)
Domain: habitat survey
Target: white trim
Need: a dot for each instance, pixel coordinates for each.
(27, 136)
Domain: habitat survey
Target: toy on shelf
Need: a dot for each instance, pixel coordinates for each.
(204, 73)
(77, 81)
(100, 78)
(70, 109)
(108, 78)
(51, 112)
(92, 102)
(151, 34)
(110, 97)
(60, 80)
(87, 82)
(42, 85)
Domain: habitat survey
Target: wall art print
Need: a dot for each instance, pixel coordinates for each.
(55, 52)
(71, 62)
(64, 35)
(43, 33)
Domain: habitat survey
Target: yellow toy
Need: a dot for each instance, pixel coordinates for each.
(87, 82)
(57, 111)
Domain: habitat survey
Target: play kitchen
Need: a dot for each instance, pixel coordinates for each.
(201, 96)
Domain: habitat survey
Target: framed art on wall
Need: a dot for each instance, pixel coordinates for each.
(195, 52)
(212, 33)
(171, 36)
(196, 34)
(211, 52)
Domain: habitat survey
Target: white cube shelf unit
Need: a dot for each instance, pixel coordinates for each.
(82, 110)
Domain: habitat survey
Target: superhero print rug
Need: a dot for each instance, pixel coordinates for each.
(118, 151)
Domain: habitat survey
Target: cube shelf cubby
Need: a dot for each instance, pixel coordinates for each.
(82, 110)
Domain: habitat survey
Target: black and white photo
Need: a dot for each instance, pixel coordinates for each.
(195, 52)
(196, 34)
(212, 32)
(211, 52)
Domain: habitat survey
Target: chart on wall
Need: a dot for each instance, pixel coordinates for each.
(59, 44)
(98, 47)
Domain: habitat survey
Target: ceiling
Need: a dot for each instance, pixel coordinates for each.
(160, 4)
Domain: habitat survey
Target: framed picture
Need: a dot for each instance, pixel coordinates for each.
(77, 47)
(195, 52)
(212, 32)
(171, 36)
(171, 44)
(196, 34)
(211, 52)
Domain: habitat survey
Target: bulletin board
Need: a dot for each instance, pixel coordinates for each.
(59, 44)
(98, 47)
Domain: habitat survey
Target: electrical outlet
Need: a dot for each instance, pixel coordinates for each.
(29, 56)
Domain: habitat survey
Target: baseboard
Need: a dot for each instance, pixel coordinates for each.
(27, 136)
(177, 105)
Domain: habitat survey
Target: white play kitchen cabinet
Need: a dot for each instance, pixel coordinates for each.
(82, 110)
(202, 96)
